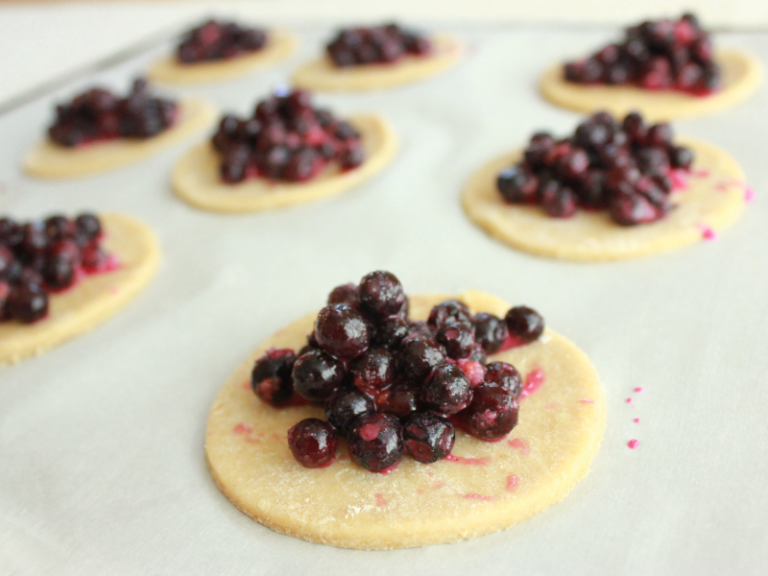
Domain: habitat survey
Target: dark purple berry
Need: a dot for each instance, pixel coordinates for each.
(34, 240)
(504, 375)
(345, 406)
(458, 338)
(629, 209)
(342, 331)
(492, 413)
(344, 294)
(313, 442)
(7, 260)
(27, 303)
(87, 227)
(316, 375)
(653, 160)
(634, 125)
(391, 331)
(351, 157)
(592, 135)
(428, 437)
(524, 323)
(536, 152)
(659, 135)
(447, 391)
(420, 328)
(655, 194)
(516, 185)
(418, 357)
(448, 311)
(400, 400)
(29, 275)
(381, 294)
(218, 41)
(559, 202)
(373, 370)
(681, 157)
(59, 272)
(573, 164)
(11, 233)
(59, 228)
(272, 379)
(345, 131)
(490, 332)
(375, 442)
(590, 190)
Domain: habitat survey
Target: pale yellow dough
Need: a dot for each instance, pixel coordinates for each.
(95, 298)
(279, 46)
(196, 179)
(711, 202)
(49, 160)
(322, 75)
(742, 74)
(344, 505)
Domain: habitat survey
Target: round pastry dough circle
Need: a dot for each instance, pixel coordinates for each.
(344, 505)
(49, 160)
(95, 298)
(196, 180)
(279, 46)
(322, 75)
(742, 74)
(711, 202)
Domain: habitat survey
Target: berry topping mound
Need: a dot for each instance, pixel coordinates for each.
(432, 421)
(654, 55)
(99, 115)
(376, 45)
(40, 258)
(627, 168)
(286, 139)
(215, 40)
(389, 384)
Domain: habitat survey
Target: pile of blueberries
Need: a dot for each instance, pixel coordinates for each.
(390, 385)
(40, 257)
(286, 139)
(97, 114)
(376, 45)
(215, 40)
(654, 55)
(623, 167)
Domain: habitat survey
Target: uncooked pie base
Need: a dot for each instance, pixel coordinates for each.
(323, 75)
(344, 505)
(279, 46)
(711, 202)
(742, 74)
(49, 160)
(95, 298)
(196, 179)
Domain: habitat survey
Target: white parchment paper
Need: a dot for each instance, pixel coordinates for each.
(101, 440)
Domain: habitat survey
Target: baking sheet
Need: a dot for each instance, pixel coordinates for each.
(101, 440)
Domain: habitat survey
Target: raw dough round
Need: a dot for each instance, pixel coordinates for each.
(322, 75)
(49, 160)
(344, 505)
(95, 298)
(196, 180)
(713, 200)
(742, 74)
(279, 46)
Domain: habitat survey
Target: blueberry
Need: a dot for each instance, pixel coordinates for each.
(313, 442)
(428, 437)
